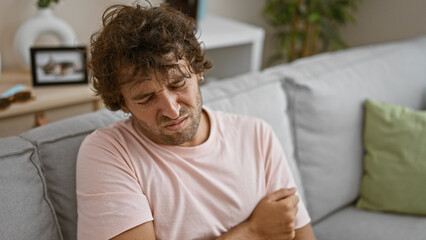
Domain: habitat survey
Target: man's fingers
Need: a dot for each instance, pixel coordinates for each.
(290, 201)
(281, 194)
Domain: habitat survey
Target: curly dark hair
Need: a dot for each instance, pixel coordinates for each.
(138, 38)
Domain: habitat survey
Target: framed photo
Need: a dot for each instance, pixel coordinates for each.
(58, 65)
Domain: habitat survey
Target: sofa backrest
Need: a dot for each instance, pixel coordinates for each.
(326, 95)
(25, 210)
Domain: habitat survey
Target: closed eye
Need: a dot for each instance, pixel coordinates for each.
(178, 85)
(147, 99)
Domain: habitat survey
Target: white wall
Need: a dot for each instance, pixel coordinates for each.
(377, 20)
(386, 20)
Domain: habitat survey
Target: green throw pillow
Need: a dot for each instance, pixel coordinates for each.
(395, 159)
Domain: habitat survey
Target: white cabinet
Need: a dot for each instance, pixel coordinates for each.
(234, 47)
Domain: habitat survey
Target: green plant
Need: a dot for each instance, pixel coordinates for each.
(307, 27)
(45, 3)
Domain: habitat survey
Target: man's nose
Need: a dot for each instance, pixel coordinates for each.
(169, 105)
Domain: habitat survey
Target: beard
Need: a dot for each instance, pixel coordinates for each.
(159, 135)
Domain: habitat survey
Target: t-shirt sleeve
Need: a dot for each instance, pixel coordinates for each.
(277, 171)
(110, 199)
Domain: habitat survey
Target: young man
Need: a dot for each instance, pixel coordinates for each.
(174, 169)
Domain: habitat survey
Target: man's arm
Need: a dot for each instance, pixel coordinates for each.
(144, 231)
(273, 218)
(305, 233)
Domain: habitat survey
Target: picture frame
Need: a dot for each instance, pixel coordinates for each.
(58, 65)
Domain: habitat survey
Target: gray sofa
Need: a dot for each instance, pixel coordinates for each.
(315, 106)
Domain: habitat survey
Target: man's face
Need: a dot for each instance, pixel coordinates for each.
(167, 111)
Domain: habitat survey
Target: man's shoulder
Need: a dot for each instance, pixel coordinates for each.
(114, 131)
(112, 140)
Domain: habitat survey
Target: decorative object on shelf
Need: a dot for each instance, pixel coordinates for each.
(43, 22)
(307, 27)
(194, 8)
(58, 65)
(17, 93)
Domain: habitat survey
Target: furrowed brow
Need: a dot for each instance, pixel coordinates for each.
(140, 96)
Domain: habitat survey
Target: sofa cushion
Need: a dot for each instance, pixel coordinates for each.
(26, 211)
(325, 97)
(58, 144)
(258, 95)
(395, 159)
(351, 223)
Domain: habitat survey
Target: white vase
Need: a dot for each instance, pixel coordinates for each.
(43, 22)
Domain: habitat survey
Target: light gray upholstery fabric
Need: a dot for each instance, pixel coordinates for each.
(258, 95)
(326, 109)
(354, 224)
(58, 145)
(25, 210)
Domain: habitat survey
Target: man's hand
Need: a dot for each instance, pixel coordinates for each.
(273, 218)
(275, 215)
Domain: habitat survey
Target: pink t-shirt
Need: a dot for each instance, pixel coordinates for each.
(124, 179)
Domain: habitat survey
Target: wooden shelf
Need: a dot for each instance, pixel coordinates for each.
(52, 102)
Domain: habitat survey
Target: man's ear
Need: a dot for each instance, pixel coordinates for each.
(200, 77)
